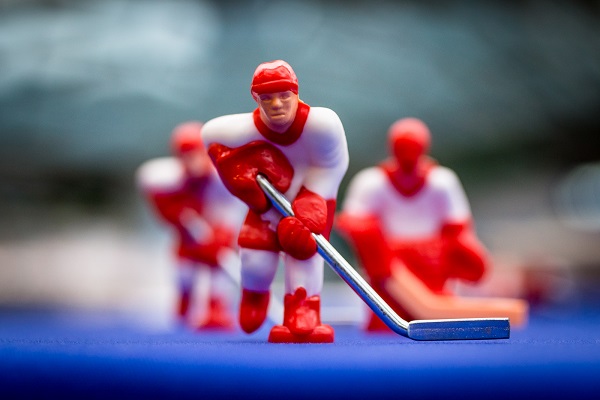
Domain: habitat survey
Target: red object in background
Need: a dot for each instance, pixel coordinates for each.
(187, 194)
(409, 220)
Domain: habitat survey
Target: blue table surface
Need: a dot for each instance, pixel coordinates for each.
(45, 353)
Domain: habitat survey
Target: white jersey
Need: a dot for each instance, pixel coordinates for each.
(166, 175)
(319, 156)
(420, 216)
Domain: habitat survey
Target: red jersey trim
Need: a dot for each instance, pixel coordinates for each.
(292, 134)
(392, 170)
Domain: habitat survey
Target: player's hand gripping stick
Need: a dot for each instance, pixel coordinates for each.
(440, 329)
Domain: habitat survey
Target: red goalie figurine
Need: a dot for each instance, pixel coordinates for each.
(186, 193)
(410, 224)
(302, 151)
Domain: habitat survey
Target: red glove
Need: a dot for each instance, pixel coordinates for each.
(370, 245)
(296, 239)
(169, 206)
(294, 233)
(209, 251)
(311, 210)
(462, 254)
(223, 237)
(239, 167)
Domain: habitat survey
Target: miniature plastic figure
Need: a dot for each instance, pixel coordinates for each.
(186, 193)
(302, 151)
(411, 227)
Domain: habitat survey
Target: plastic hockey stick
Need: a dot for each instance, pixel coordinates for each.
(438, 329)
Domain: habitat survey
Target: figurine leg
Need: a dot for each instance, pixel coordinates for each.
(258, 270)
(218, 316)
(185, 271)
(302, 304)
(183, 305)
(253, 309)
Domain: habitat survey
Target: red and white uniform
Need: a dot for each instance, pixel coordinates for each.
(409, 211)
(205, 219)
(411, 224)
(315, 147)
(403, 218)
(302, 151)
(202, 212)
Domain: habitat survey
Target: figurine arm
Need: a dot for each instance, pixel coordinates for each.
(239, 157)
(222, 209)
(328, 153)
(360, 223)
(173, 208)
(326, 143)
(462, 253)
(214, 229)
(161, 180)
(453, 203)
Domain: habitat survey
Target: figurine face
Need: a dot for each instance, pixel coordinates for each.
(278, 110)
(408, 152)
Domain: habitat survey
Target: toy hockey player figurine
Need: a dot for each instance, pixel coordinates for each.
(186, 193)
(302, 151)
(410, 224)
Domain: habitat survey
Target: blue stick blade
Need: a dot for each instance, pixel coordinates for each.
(459, 329)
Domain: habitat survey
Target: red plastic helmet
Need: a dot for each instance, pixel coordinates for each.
(273, 76)
(409, 140)
(186, 137)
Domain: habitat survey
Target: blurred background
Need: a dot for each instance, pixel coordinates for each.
(91, 89)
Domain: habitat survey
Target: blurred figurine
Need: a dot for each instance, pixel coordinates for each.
(186, 193)
(303, 153)
(410, 224)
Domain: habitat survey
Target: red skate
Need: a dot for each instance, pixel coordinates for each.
(184, 304)
(253, 309)
(218, 318)
(301, 321)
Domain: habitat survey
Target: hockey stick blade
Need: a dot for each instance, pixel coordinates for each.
(459, 329)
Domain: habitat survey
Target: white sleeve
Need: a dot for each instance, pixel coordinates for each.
(230, 130)
(163, 174)
(328, 152)
(364, 195)
(454, 206)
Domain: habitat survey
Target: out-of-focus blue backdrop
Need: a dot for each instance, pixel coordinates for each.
(91, 89)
